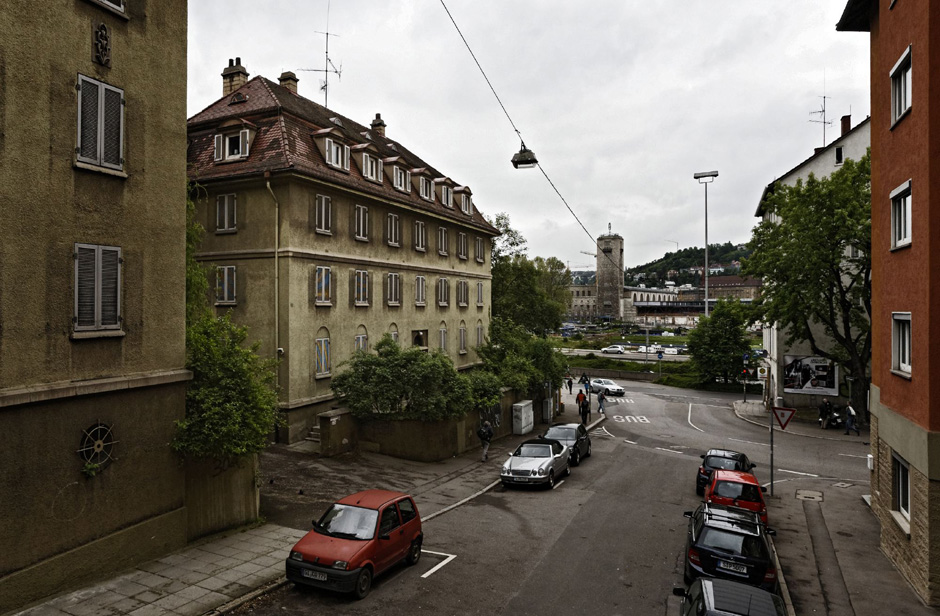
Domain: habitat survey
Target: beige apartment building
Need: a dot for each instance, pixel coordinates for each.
(326, 234)
(92, 232)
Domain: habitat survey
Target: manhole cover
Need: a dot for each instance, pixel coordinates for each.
(842, 484)
(810, 495)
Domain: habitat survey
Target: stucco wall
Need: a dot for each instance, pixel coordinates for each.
(220, 497)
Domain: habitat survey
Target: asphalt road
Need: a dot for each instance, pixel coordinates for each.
(608, 540)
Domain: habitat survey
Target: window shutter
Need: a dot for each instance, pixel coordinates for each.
(243, 142)
(233, 205)
(220, 212)
(329, 151)
(85, 286)
(113, 118)
(110, 286)
(230, 284)
(346, 157)
(219, 147)
(380, 177)
(88, 121)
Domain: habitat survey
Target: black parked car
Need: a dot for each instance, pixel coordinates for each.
(729, 543)
(723, 459)
(726, 598)
(575, 436)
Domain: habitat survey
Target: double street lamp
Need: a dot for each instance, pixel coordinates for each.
(706, 178)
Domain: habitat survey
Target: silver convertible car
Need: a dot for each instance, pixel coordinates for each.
(539, 460)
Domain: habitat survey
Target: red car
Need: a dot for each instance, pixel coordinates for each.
(357, 538)
(737, 489)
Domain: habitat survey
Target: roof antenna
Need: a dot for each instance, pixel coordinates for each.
(822, 111)
(328, 66)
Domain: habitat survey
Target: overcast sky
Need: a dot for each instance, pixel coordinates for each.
(621, 100)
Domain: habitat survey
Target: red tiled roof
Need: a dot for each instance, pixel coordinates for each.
(285, 123)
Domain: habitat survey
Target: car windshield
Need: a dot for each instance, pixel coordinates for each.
(560, 433)
(738, 491)
(534, 451)
(732, 543)
(723, 463)
(348, 522)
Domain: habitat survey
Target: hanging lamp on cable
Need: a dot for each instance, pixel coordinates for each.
(524, 158)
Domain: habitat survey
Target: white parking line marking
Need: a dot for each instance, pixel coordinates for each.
(430, 517)
(848, 455)
(631, 442)
(604, 430)
(449, 558)
(748, 442)
(783, 470)
(669, 450)
(559, 483)
(690, 419)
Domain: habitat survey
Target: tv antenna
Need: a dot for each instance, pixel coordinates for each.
(328, 66)
(822, 111)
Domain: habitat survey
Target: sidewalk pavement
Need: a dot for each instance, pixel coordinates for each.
(219, 573)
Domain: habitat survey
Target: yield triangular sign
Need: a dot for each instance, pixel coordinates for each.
(783, 415)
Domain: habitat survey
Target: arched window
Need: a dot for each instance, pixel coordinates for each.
(443, 339)
(362, 338)
(393, 332)
(322, 344)
(479, 333)
(462, 338)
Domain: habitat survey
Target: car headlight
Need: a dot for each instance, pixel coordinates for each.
(296, 556)
(505, 470)
(541, 471)
(341, 564)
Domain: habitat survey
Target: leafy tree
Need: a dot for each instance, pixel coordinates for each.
(717, 346)
(521, 360)
(231, 403)
(814, 259)
(530, 293)
(395, 383)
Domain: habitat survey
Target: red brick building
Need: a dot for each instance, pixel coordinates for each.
(905, 393)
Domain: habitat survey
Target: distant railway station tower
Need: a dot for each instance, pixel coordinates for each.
(610, 275)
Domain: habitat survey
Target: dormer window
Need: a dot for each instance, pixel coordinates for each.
(237, 98)
(466, 204)
(371, 168)
(427, 189)
(337, 154)
(233, 146)
(401, 179)
(447, 196)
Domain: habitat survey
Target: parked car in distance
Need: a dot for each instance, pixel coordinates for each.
(717, 597)
(574, 436)
(359, 537)
(607, 386)
(729, 543)
(737, 489)
(723, 459)
(536, 461)
(614, 348)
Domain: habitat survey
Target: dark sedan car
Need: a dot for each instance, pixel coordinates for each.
(730, 543)
(575, 436)
(723, 459)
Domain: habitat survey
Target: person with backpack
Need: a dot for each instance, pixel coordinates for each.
(601, 398)
(486, 435)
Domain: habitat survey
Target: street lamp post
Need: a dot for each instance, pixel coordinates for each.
(706, 178)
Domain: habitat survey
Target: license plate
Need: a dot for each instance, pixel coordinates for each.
(723, 564)
(522, 479)
(314, 575)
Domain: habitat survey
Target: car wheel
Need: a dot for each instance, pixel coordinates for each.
(551, 479)
(606, 392)
(363, 583)
(576, 457)
(567, 470)
(700, 490)
(588, 454)
(414, 552)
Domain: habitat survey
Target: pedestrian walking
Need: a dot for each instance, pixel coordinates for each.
(486, 435)
(825, 410)
(585, 411)
(601, 398)
(850, 418)
(579, 399)
(584, 378)
(570, 385)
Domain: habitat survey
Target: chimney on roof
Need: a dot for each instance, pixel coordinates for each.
(378, 125)
(817, 151)
(846, 124)
(288, 80)
(234, 76)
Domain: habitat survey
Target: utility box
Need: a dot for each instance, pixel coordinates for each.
(522, 417)
(547, 411)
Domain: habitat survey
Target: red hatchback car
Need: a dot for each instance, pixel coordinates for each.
(737, 489)
(357, 538)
